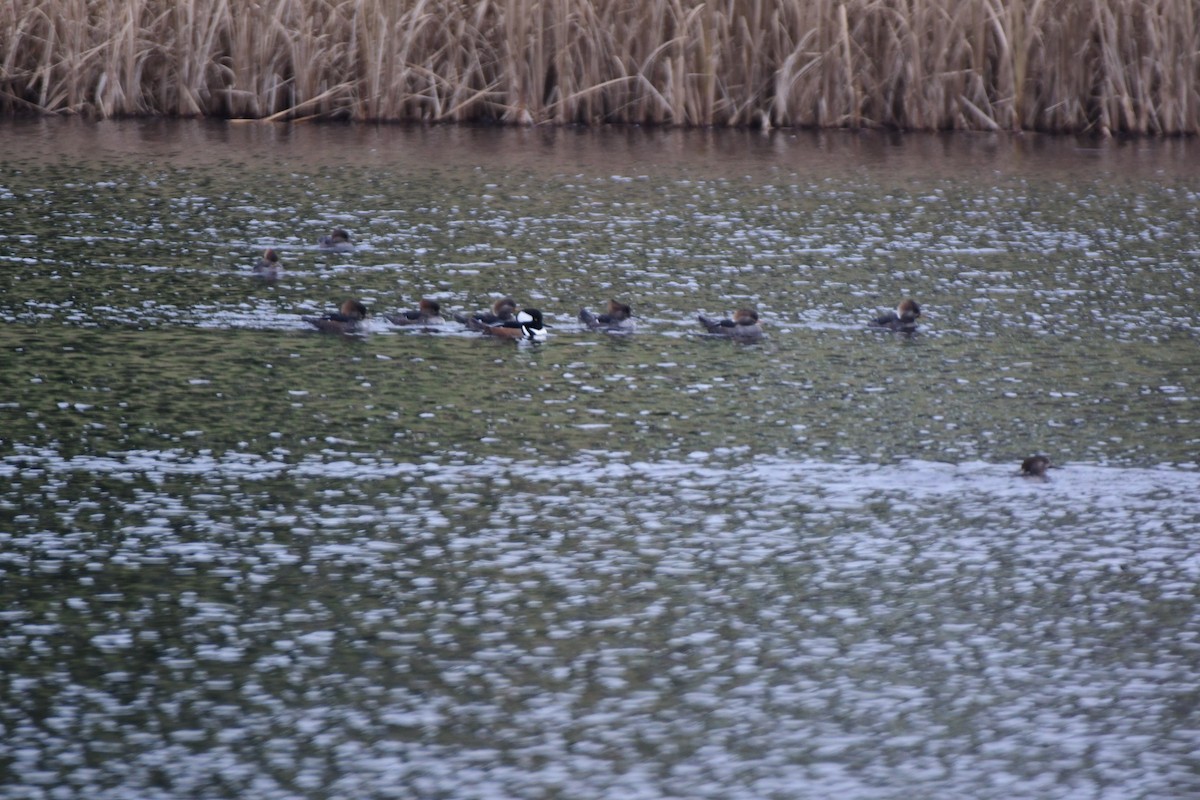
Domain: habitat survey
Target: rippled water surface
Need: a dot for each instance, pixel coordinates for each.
(239, 558)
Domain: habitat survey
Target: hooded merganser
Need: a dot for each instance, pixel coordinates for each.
(618, 319)
(503, 310)
(345, 320)
(527, 325)
(744, 326)
(1035, 467)
(429, 312)
(338, 242)
(903, 319)
(269, 266)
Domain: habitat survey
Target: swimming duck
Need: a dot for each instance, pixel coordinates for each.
(338, 242)
(527, 325)
(429, 312)
(269, 266)
(503, 310)
(744, 326)
(618, 319)
(345, 320)
(903, 319)
(1035, 467)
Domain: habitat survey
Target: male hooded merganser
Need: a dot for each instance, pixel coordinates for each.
(345, 320)
(269, 266)
(618, 319)
(903, 319)
(338, 242)
(744, 326)
(429, 312)
(527, 325)
(503, 310)
(1035, 467)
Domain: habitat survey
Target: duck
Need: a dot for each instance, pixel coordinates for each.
(428, 312)
(338, 241)
(744, 327)
(527, 325)
(269, 266)
(618, 319)
(1035, 467)
(504, 309)
(346, 319)
(902, 320)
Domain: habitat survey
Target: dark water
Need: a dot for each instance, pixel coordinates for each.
(242, 559)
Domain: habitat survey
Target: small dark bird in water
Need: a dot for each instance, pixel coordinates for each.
(1035, 467)
(504, 309)
(618, 319)
(744, 327)
(429, 312)
(339, 241)
(902, 320)
(269, 266)
(528, 324)
(345, 320)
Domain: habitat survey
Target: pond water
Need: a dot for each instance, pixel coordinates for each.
(240, 558)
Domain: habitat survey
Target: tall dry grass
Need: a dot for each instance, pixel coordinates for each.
(1054, 65)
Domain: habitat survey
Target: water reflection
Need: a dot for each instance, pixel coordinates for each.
(249, 560)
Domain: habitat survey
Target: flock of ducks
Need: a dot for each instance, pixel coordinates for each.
(505, 319)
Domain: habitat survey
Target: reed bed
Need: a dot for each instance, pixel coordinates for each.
(1106, 66)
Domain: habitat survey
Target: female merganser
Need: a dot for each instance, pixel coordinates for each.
(617, 320)
(903, 319)
(503, 310)
(345, 320)
(744, 326)
(429, 312)
(338, 242)
(269, 266)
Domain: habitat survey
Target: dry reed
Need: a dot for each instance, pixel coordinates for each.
(1106, 66)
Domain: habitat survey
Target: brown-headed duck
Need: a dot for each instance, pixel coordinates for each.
(346, 319)
(269, 267)
(619, 318)
(429, 312)
(744, 327)
(902, 320)
(504, 309)
(338, 241)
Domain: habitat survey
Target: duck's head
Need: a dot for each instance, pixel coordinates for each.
(530, 317)
(353, 309)
(1036, 466)
(908, 309)
(504, 307)
(745, 316)
(431, 308)
(619, 311)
